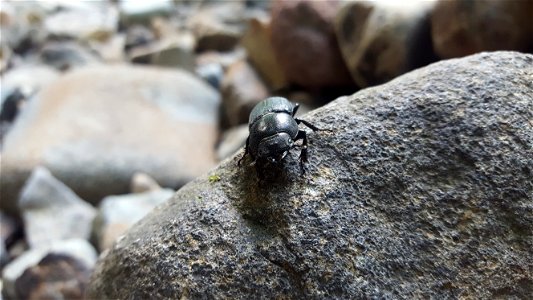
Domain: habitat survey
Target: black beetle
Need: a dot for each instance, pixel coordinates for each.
(273, 131)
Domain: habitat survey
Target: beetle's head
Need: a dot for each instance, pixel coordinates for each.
(275, 147)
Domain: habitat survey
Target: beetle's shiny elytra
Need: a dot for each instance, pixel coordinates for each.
(273, 131)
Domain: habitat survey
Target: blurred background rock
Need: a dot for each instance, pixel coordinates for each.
(94, 93)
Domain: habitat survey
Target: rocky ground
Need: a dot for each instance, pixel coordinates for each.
(420, 187)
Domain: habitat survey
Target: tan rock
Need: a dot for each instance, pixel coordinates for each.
(5, 58)
(383, 39)
(142, 182)
(460, 28)
(258, 45)
(305, 45)
(214, 26)
(242, 89)
(172, 51)
(95, 127)
(110, 49)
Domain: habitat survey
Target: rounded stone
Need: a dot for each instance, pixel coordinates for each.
(381, 40)
(420, 188)
(304, 43)
(97, 126)
(462, 28)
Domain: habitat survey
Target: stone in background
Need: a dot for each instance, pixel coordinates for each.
(52, 211)
(10, 232)
(304, 42)
(231, 141)
(94, 128)
(216, 26)
(116, 214)
(260, 52)
(241, 90)
(381, 40)
(462, 28)
(142, 182)
(60, 270)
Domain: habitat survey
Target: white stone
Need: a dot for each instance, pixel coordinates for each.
(118, 213)
(51, 211)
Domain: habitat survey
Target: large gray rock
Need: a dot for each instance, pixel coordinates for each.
(422, 189)
(96, 127)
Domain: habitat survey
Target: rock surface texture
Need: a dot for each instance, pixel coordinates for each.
(96, 127)
(421, 189)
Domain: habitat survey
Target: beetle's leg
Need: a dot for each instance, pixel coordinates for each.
(295, 109)
(313, 127)
(302, 135)
(245, 151)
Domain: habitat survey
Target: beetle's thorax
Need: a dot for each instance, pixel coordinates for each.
(270, 105)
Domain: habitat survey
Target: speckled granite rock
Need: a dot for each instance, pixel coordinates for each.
(423, 189)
